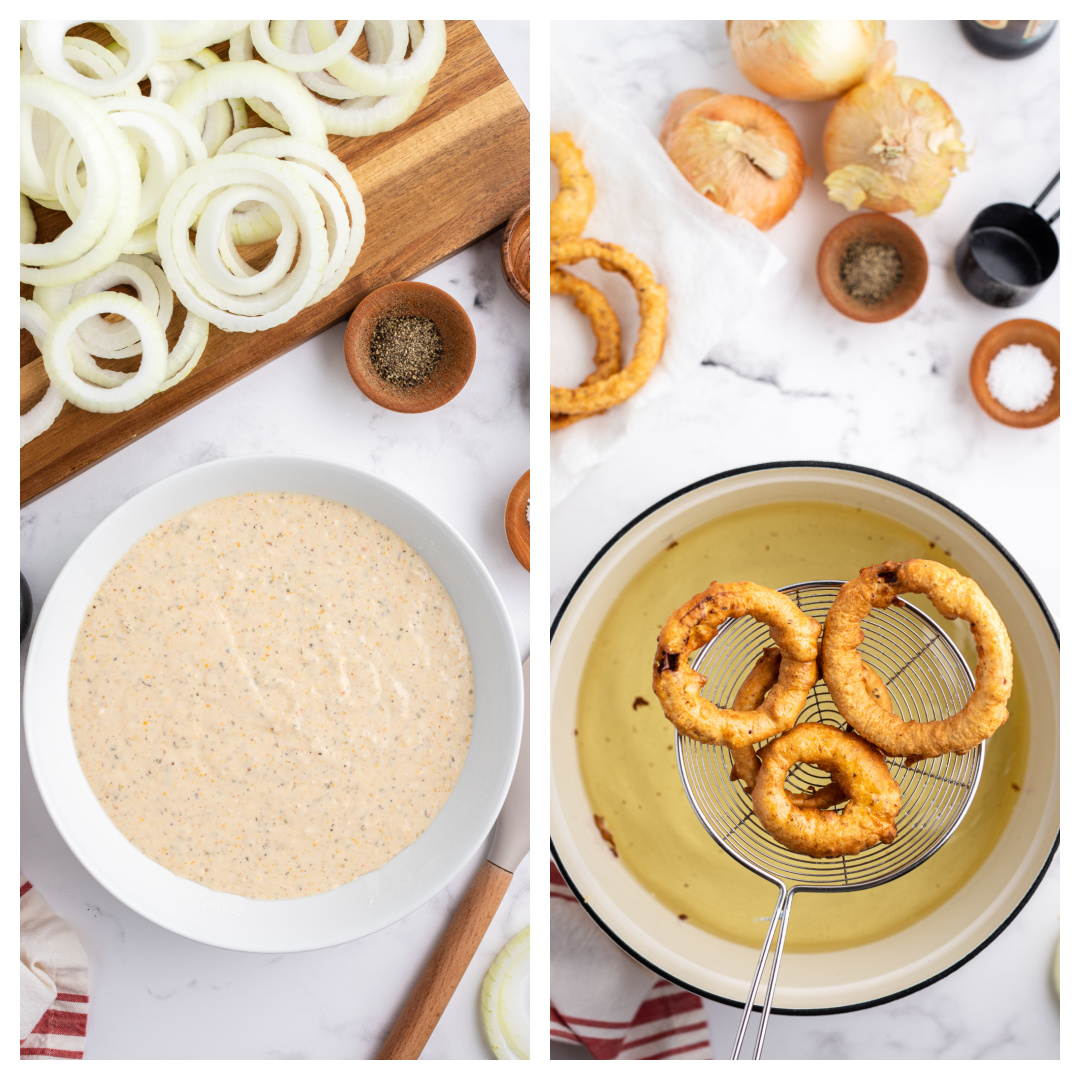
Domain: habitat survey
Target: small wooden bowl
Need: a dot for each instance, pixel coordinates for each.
(1017, 332)
(454, 366)
(874, 229)
(517, 524)
(515, 254)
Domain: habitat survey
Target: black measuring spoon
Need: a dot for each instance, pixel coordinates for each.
(1008, 252)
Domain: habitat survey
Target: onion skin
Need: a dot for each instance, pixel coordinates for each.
(736, 151)
(805, 59)
(891, 144)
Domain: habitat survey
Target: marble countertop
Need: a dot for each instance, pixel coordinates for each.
(154, 994)
(810, 384)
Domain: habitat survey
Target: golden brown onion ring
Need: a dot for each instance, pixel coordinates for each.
(745, 760)
(570, 209)
(652, 305)
(695, 624)
(859, 768)
(954, 596)
(593, 304)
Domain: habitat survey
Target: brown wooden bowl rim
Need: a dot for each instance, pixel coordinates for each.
(509, 270)
(515, 522)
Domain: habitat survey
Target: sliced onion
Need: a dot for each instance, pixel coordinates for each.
(40, 417)
(236, 104)
(217, 255)
(387, 42)
(99, 233)
(117, 340)
(504, 1001)
(182, 205)
(343, 190)
(46, 41)
(59, 364)
(27, 222)
(92, 59)
(383, 79)
(270, 39)
(181, 39)
(251, 79)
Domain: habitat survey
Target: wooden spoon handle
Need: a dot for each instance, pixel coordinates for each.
(444, 970)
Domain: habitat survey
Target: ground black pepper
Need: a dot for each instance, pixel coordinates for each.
(869, 271)
(405, 349)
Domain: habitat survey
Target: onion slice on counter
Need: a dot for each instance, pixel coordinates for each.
(504, 1001)
(34, 318)
(59, 362)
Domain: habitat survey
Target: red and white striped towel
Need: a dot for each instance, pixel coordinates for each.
(610, 1003)
(54, 981)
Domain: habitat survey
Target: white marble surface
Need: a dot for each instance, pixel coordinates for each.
(156, 995)
(795, 380)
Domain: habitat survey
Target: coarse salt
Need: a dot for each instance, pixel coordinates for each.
(1020, 377)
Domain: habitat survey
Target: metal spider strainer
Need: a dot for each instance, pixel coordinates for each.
(927, 679)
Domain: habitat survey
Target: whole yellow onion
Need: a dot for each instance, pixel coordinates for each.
(891, 144)
(805, 59)
(736, 151)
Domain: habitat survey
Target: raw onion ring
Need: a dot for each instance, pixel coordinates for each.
(218, 258)
(954, 596)
(384, 80)
(59, 364)
(180, 208)
(695, 624)
(387, 42)
(253, 80)
(95, 239)
(46, 40)
(873, 795)
(342, 190)
(270, 45)
(39, 418)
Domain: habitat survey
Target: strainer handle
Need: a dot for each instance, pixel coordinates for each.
(778, 929)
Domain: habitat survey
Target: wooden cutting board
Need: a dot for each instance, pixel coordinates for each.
(457, 169)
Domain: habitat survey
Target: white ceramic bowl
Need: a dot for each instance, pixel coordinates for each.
(830, 981)
(368, 903)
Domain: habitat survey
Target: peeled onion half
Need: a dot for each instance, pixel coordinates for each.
(736, 151)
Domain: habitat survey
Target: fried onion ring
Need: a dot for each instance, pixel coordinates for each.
(954, 596)
(869, 817)
(746, 761)
(695, 624)
(593, 304)
(652, 305)
(570, 209)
